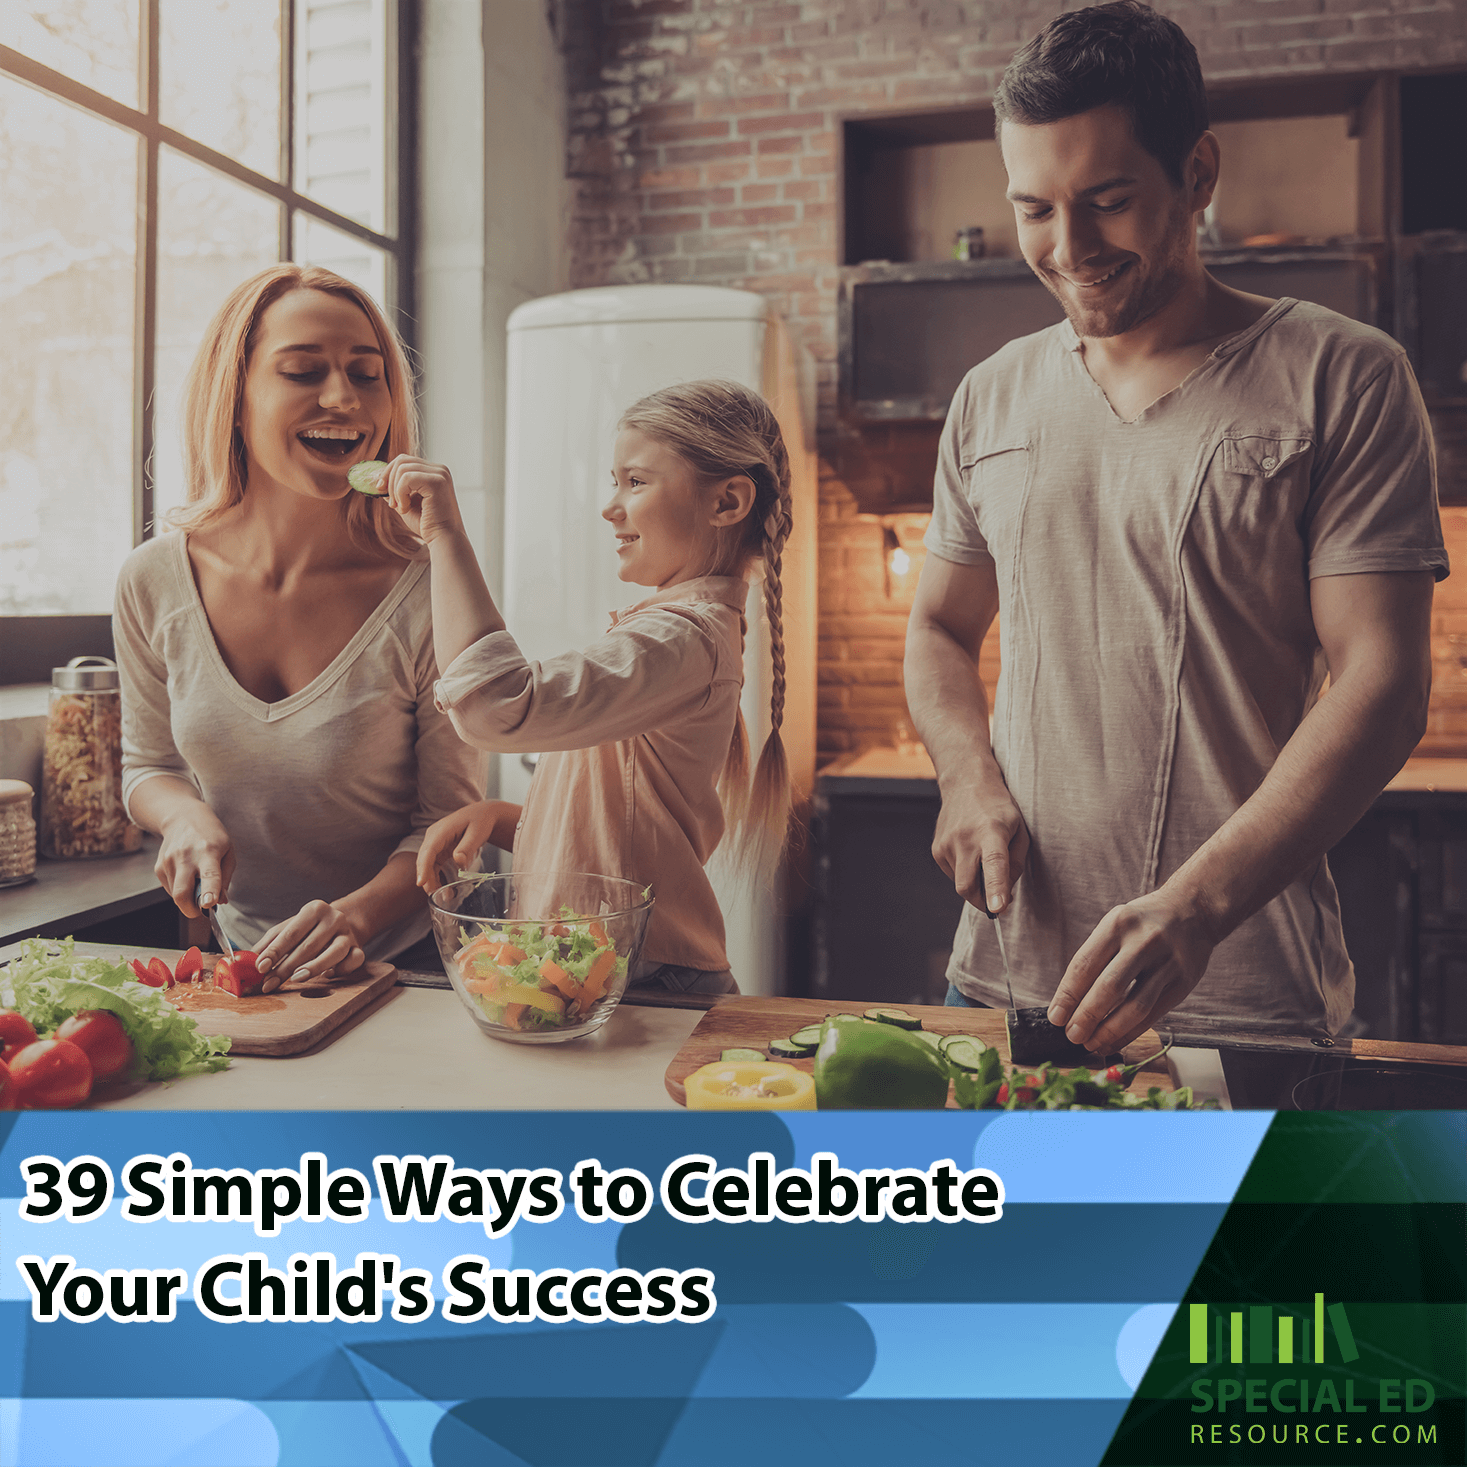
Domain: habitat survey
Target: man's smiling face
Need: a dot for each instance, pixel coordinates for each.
(1100, 222)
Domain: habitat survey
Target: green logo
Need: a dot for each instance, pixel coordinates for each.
(1267, 1346)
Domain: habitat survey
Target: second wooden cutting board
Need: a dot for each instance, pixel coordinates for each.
(285, 1022)
(750, 1023)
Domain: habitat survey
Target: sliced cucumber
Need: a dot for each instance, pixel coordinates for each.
(928, 1037)
(366, 478)
(898, 1017)
(742, 1054)
(789, 1049)
(965, 1051)
(810, 1035)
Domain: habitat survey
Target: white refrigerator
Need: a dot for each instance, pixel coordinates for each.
(576, 362)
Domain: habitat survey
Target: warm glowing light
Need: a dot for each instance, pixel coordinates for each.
(901, 562)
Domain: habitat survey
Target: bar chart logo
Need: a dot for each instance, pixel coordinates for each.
(1274, 1337)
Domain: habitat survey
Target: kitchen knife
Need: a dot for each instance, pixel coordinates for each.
(225, 945)
(998, 933)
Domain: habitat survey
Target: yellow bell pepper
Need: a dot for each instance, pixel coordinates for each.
(750, 1085)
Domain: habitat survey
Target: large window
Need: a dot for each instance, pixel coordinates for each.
(153, 154)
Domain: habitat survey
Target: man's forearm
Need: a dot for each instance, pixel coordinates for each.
(1339, 759)
(949, 707)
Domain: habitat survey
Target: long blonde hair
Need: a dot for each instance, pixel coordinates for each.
(214, 462)
(724, 430)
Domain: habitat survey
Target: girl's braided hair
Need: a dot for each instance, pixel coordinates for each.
(724, 430)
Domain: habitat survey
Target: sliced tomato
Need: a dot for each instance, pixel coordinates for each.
(16, 1032)
(51, 1074)
(190, 965)
(100, 1033)
(162, 973)
(240, 977)
(141, 969)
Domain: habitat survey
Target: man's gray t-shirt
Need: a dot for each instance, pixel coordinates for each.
(1157, 643)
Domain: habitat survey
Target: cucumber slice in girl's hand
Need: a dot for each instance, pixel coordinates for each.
(366, 478)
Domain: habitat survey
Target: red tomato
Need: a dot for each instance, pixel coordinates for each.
(1003, 1094)
(141, 969)
(190, 965)
(1116, 1075)
(241, 978)
(162, 974)
(51, 1074)
(7, 1091)
(15, 1033)
(101, 1035)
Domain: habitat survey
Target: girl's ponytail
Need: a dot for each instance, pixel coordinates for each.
(723, 429)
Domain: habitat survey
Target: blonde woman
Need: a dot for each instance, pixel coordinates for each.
(279, 730)
(648, 757)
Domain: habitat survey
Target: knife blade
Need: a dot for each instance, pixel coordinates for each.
(225, 945)
(998, 933)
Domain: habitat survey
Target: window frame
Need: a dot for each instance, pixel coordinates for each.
(31, 645)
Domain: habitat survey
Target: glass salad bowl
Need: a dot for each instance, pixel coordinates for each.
(541, 956)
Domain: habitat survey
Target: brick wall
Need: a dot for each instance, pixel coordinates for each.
(703, 147)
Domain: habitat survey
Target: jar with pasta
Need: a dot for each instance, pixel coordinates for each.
(81, 769)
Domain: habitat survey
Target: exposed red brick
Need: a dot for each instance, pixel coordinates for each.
(690, 198)
(751, 218)
(701, 152)
(782, 122)
(682, 132)
(671, 178)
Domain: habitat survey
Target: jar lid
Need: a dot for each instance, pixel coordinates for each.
(13, 791)
(77, 677)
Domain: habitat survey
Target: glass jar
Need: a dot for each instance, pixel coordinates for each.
(81, 764)
(17, 833)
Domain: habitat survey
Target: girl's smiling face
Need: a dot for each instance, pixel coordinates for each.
(315, 397)
(663, 518)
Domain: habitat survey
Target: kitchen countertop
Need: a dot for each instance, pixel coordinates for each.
(69, 894)
(417, 1049)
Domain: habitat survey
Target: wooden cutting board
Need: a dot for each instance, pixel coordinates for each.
(285, 1022)
(750, 1023)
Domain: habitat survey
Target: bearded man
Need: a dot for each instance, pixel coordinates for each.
(1187, 505)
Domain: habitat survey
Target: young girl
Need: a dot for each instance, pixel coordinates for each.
(644, 757)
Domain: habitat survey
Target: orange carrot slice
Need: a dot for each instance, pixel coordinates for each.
(601, 970)
(554, 974)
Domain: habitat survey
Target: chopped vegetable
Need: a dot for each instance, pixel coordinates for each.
(749, 1085)
(1050, 1088)
(366, 477)
(532, 975)
(49, 983)
(900, 1018)
(742, 1054)
(162, 974)
(239, 975)
(810, 1035)
(190, 966)
(791, 1048)
(964, 1051)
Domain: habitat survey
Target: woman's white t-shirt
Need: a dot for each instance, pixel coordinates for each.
(317, 791)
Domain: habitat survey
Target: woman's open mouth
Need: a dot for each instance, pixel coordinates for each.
(332, 445)
(624, 542)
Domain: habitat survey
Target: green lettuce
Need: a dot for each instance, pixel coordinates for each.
(50, 982)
